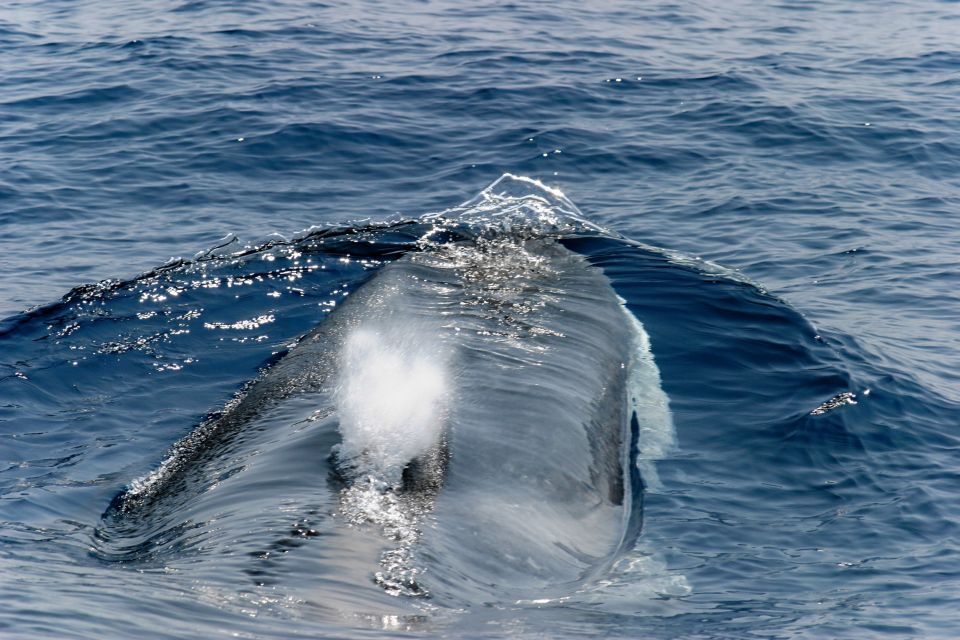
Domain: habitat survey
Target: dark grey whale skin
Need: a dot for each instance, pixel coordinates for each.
(530, 486)
(538, 494)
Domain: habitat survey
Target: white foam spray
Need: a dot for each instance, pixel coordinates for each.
(650, 405)
(393, 401)
(394, 395)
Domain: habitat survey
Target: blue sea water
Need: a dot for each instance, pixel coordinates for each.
(188, 186)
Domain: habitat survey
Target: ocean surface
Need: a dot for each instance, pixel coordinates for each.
(187, 187)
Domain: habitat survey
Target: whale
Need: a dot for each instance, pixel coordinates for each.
(464, 427)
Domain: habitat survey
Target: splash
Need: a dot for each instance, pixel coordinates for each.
(393, 398)
(515, 205)
(650, 405)
(393, 401)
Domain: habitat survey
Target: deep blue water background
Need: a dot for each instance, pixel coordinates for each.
(812, 146)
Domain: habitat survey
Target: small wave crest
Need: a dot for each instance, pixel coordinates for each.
(521, 206)
(650, 405)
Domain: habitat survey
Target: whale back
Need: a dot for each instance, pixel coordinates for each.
(538, 479)
(459, 424)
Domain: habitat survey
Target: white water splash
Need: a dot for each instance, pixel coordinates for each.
(394, 395)
(393, 400)
(519, 205)
(650, 405)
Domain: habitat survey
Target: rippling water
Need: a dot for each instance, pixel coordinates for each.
(287, 151)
